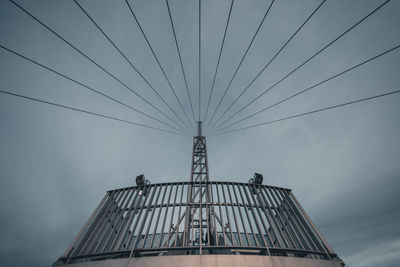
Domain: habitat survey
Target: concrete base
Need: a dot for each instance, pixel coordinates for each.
(211, 261)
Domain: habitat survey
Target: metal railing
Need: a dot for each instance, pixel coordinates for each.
(242, 218)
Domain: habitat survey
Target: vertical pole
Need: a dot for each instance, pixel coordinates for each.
(197, 222)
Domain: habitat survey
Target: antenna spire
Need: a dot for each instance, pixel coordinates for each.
(199, 130)
(199, 169)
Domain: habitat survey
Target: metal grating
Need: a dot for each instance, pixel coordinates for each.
(245, 219)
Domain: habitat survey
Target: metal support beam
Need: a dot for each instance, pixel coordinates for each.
(199, 226)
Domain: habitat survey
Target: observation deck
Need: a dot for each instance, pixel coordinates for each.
(241, 219)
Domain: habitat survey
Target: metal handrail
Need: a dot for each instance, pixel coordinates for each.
(246, 218)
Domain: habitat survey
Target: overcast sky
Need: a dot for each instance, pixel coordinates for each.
(56, 165)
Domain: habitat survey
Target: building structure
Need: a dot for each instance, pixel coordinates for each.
(199, 223)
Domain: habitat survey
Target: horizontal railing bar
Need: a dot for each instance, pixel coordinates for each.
(197, 204)
(205, 183)
(139, 250)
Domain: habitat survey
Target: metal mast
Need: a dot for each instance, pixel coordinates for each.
(199, 228)
(199, 157)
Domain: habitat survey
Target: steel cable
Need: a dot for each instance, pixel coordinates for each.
(309, 88)
(91, 60)
(199, 60)
(310, 58)
(88, 112)
(85, 86)
(219, 59)
(271, 60)
(310, 112)
(180, 60)
(241, 61)
(162, 69)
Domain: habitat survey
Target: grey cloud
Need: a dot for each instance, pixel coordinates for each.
(342, 165)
